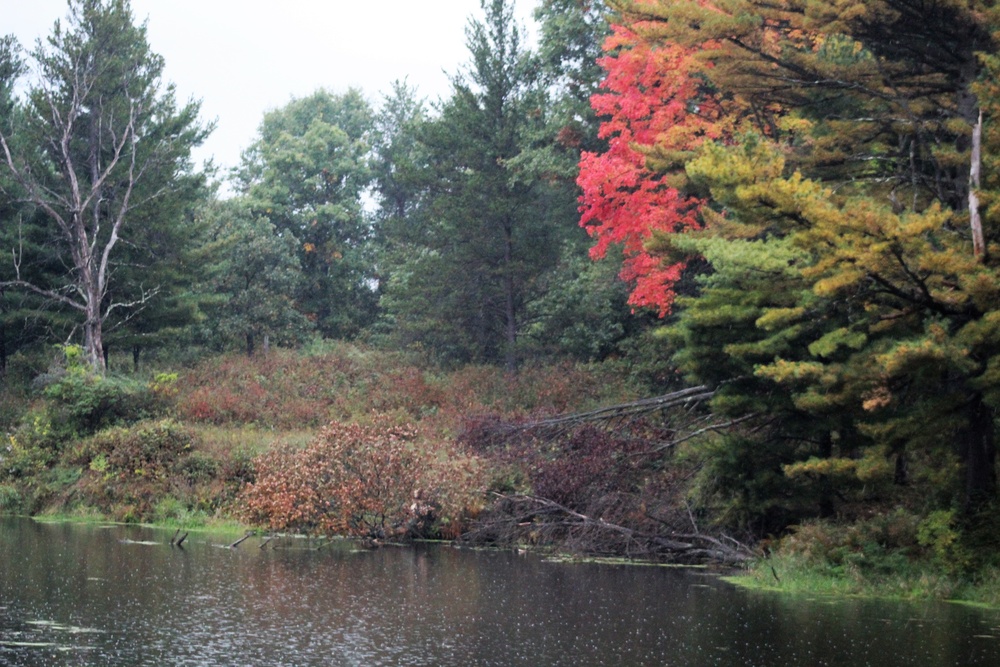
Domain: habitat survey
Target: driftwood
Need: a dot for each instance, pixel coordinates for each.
(527, 518)
(621, 500)
(239, 541)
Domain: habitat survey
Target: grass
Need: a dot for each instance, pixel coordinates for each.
(792, 574)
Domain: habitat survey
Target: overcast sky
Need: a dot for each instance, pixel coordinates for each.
(244, 57)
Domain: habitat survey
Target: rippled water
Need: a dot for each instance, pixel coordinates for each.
(87, 595)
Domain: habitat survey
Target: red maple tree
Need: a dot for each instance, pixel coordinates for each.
(656, 102)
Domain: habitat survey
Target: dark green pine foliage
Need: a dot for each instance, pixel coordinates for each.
(22, 319)
(101, 152)
(482, 239)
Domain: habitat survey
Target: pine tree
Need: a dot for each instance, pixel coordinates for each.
(470, 258)
(847, 303)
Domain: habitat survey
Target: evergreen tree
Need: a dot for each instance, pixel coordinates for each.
(252, 277)
(461, 288)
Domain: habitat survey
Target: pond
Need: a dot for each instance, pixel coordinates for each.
(120, 595)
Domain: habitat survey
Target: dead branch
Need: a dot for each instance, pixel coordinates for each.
(527, 517)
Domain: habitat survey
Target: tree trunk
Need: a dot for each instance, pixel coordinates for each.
(975, 221)
(250, 344)
(978, 450)
(93, 333)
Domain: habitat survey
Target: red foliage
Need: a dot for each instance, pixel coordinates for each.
(656, 99)
(352, 480)
(364, 480)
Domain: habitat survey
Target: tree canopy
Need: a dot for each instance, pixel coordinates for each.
(830, 164)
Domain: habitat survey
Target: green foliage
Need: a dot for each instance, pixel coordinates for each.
(581, 311)
(471, 243)
(940, 534)
(869, 548)
(10, 499)
(305, 175)
(154, 471)
(82, 402)
(254, 277)
(30, 449)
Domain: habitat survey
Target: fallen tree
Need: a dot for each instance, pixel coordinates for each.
(525, 519)
(602, 482)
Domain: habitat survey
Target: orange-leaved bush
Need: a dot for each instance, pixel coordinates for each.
(377, 479)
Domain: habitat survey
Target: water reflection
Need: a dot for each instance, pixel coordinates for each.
(79, 595)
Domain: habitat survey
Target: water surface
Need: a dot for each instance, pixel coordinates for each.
(90, 595)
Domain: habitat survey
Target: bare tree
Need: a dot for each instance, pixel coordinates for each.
(100, 142)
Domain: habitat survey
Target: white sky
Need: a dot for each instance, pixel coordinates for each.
(244, 57)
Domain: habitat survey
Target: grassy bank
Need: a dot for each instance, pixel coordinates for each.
(895, 575)
(182, 447)
(791, 575)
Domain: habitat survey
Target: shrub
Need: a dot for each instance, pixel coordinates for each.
(940, 534)
(890, 543)
(351, 480)
(10, 499)
(378, 479)
(129, 469)
(30, 449)
(82, 402)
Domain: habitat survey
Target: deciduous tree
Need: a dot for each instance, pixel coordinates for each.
(306, 174)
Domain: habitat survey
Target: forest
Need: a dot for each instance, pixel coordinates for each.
(696, 281)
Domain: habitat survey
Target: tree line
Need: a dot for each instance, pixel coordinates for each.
(447, 226)
(800, 196)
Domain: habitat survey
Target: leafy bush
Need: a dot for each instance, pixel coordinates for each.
(130, 469)
(364, 480)
(880, 545)
(940, 534)
(10, 499)
(82, 402)
(30, 449)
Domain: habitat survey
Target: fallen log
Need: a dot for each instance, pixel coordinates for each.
(239, 541)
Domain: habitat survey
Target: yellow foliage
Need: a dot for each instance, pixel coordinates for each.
(782, 370)
(831, 467)
(877, 398)
(779, 317)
